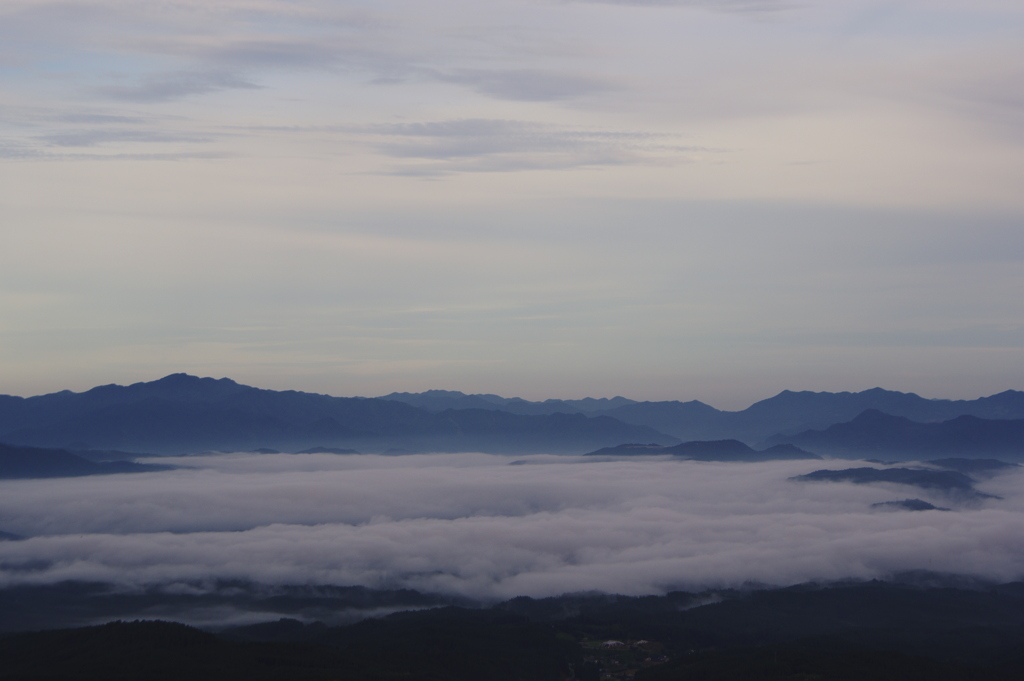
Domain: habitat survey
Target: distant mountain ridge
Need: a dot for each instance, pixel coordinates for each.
(181, 413)
(788, 412)
(932, 480)
(442, 400)
(874, 433)
(34, 462)
(714, 450)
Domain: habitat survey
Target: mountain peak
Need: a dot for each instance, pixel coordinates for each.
(182, 378)
(878, 416)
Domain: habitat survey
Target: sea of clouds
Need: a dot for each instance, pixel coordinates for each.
(491, 527)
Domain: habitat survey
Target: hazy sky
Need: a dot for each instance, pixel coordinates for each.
(712, 199)
(472, 524)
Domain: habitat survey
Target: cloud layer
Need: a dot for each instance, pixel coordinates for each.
(473, 525)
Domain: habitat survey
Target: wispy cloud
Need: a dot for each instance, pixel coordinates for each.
(491, 145)
(90, 138)
(991, 94)
(53, 134)
(716, 5)
(18, 150)
(529, 85)
(168, 86)
(98, 119)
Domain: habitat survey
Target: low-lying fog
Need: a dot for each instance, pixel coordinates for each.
(475, 525)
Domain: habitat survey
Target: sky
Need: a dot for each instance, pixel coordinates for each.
(703, 199)
(473, 525)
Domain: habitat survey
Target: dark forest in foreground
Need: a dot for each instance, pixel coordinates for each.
(915, 629)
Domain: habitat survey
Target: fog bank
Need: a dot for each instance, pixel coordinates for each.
(475, 526)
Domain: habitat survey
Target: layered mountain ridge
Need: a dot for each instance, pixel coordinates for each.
(182, 414)
(874, 433)
(787, 413)
(185, 414)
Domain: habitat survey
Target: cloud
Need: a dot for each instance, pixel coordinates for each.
(527, 85)
(265, 52)
(52, 134)
(169, 86)
(715, 5)
(219, 40)
(475, 526)
(380, 62)
(215, 45)
(89, 138)
(492, 145)
(18, 150)
(989, 94)
(98, 119)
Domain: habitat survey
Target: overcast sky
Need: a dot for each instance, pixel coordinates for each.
(710, 199)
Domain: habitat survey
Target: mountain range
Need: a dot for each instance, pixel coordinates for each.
(714, 450)
(184, 414)
(34, 462)
(874, 433)
(787, 413)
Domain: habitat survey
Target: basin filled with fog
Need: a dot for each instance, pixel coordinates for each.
(238, 538)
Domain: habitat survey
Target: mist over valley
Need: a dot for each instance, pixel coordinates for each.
(388, 526)
(167, 535)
